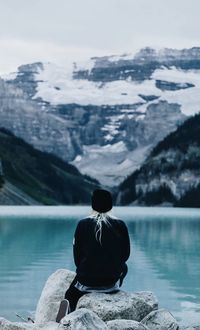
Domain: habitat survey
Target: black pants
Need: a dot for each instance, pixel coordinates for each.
(73, 295)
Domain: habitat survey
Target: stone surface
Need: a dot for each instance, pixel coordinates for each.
(160, 319)
(192, 327)
(149, 298)
(125, 325)
(50, 326)
(7, 325)
(120, 305)
(83, 319)
(52, 295)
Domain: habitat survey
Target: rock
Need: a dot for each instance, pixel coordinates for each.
(7, 325)
(192, 327)
(120, 305)
(83, 319)
(149, 298)
(160, 319)
(125, 325)
(50, 326)
(52, 295)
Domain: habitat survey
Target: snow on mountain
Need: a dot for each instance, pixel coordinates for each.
(114, 109)
(188, 94)
(111, 162)
(57, 86)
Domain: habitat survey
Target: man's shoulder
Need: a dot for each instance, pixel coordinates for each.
(117, 221)
(84, 221)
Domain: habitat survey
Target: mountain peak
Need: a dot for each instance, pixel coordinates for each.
(105, 111)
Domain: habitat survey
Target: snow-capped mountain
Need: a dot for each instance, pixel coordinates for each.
(104, 115)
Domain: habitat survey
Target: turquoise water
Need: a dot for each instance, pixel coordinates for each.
(165, 255)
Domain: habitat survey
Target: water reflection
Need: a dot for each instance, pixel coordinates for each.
(30, 250)
(24, 242)
(169, 250)
(173, 247)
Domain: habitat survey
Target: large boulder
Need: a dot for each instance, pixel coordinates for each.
(120, 305)
(52, 295)
(160, 319)
(125, 325)
(83, 319)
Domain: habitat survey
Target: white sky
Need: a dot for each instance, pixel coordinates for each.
(62, 30)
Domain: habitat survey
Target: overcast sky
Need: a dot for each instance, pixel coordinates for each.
(62, 30)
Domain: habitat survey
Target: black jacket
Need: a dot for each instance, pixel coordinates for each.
(100, 264)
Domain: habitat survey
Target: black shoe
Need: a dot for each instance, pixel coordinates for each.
(63, 310)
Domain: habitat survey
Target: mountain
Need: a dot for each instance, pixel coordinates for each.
(105, 115)
(29, 176)
(171, 173)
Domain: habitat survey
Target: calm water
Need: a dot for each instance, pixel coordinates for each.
(165, 256)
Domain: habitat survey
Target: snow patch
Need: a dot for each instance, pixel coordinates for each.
(98, 162)
(189, 99)
(9, 76)
(117, 147)
(84, 92)
(78, 158)
(177, 75)
(116, 58)
(113, 125)
(85, 65)
(140, 117)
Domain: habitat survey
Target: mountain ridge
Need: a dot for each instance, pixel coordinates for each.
(29, 176)
(171, 173)
(100, 115)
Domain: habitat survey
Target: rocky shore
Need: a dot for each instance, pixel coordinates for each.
(97, 311)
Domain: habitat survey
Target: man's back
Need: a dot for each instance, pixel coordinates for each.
(100, 257)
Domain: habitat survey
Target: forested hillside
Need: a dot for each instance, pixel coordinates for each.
(43, 177)
(171, 173)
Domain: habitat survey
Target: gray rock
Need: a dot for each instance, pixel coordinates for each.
(192, 327)
(83, 319)
(50, 326)
(160, 319)
(52, 295)
(149, 298)
(25, 119)
(120, 305)
(125, 325)
(7, 325)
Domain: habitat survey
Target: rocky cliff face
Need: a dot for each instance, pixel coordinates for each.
(25, 119)
(139, 67)
(105, 115)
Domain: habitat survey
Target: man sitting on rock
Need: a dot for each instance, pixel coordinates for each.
(101, 248)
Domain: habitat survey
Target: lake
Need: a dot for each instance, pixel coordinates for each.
(165, 255)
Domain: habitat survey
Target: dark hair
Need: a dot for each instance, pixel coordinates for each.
(102, 200)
